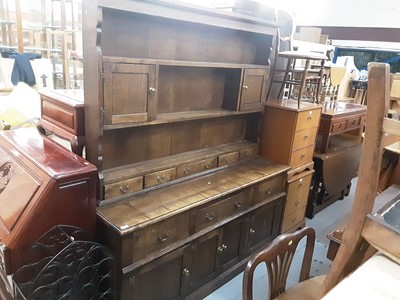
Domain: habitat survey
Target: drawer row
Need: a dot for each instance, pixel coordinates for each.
(345, 124)
(137, 183)
(158, 236)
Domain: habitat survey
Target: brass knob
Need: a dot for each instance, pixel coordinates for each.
(210, 216)
(249, 153)
(186, 272)
(252, 231)
(268, 191)
(152, 90)
(238, 203)
(305, 137)
(207, 165)
(220, 249)
(186, 170)
(161, 178)
(245, 87)
(124, 189)
(163, 237)
(224, 246)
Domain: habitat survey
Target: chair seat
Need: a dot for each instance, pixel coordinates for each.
(303, 55)
(306, 290)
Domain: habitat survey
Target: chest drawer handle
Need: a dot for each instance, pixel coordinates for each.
(302, 156)
(160, 178)
(252, 231)
(238, 203)
(305, 137)
(245, 87)
(297, 203)
(309, 118)
(152, 90)
(249, 153)
(207, 165)
(163, 237)
(186, 272)
(210, 216)
(268, 191)
(186, 170)
(300, 185)
(227, 160)
(124, 189)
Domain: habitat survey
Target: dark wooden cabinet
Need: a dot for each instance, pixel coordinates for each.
(174, 98)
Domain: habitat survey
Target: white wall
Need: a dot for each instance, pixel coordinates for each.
(346, 13)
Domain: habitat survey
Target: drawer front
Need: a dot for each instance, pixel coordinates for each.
(338, 127)
(304, 138)
(353, 122)
(294, 218)
(363, 121)
(159, 236)
(297, 194)
(160, 177)
(301, 156)
(123, 187)
(227, 159)
(269, 188)
(214, 213)
(62, 115)
(248, 153)
(308, 119)
(196, 167)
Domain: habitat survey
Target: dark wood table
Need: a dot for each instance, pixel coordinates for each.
(62, 113)
(342, 119)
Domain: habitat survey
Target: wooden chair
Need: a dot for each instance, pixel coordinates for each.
(363, 229)
(278, 257)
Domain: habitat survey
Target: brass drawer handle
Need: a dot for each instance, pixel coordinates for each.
(163, 237)
(186, 170)
(309, 118)
(268, 191)
(186, 272)
(161, 177)
(294, 219)
(245, 87)
(252, 231)
(238, 203)
(249, 153)
(302, 156)
(222, 248)
(228, 160)
(207, 165)
(210, 216)
(297, 203)
(124, 189)
(305, 137)
(152, 90)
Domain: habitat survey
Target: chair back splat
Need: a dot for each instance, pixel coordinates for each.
(278, 257)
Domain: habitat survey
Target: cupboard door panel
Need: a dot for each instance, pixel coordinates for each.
(264, 225)
(129, 93)
(232, 243)
(254, 89)
(163, 279)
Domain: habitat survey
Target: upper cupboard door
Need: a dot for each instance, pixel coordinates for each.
(254, 87)
(130, 93)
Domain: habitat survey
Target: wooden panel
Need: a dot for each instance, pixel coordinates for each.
(248, 153)
(308, 119)
(294, 218)
(159, 177)
(196, 167)
(159, 236)
(222, 131)
(203, 86)
(297, 192)
(338, 127)
(227, 159)
(123, 187)
(301, 156)
(304, 138)
(253, 89)
(58, 113)
(129, 93)
(214, 213)
(270, 188)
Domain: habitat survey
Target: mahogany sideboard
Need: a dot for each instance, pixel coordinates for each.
(41, 185)
(174, 95)
(63, 114)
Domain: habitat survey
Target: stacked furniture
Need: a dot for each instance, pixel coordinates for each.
(173, 101)
(292, 144)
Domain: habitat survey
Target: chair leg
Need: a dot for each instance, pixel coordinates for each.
(303, 81)
(287, 71)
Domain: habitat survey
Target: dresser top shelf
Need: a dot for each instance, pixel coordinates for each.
(290, 104)
(142, 210)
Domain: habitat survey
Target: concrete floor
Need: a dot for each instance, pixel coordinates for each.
(324, 222)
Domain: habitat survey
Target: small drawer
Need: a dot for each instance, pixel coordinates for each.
(338, 127)
(227, 159)
(248, 153)
(308, 119)
(216, 212)
(123, 187)
(363, 120)
(159, 236)
(293, 219)
(301, 156)
(304, 138)
(196, 167)
(297, 193)
(269, 188)
(159, 177)
(353, 123)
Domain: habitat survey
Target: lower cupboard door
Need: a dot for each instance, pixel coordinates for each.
(165, 278)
